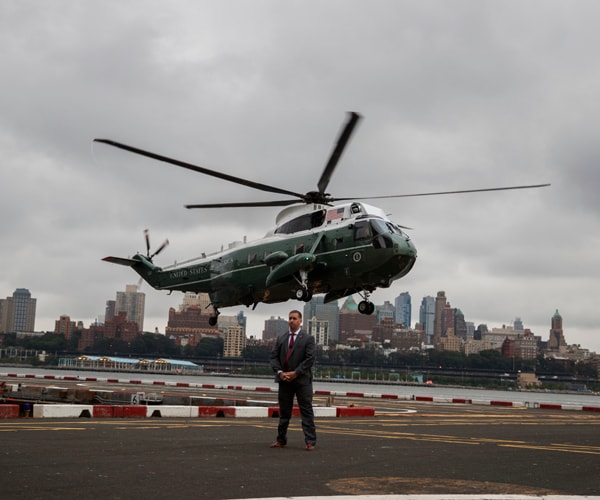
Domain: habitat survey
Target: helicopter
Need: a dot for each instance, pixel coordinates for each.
(321, 244)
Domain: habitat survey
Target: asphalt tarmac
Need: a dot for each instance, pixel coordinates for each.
(409, 448)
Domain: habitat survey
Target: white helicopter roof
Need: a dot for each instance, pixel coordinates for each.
(337, 212)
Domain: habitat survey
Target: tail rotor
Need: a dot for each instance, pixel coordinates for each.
(160, 248)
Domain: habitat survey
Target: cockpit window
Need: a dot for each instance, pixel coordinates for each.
(380, 227)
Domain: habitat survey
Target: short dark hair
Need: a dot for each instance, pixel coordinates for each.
(297, 312)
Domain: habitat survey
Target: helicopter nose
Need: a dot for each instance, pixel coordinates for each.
(406, 248)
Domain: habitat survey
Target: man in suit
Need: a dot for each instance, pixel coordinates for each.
(292, 359)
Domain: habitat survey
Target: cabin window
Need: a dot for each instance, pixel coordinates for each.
(251, 258)
(362, 231)
(302, 223)
(299, 248)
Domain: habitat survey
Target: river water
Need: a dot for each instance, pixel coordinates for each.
(342, 386)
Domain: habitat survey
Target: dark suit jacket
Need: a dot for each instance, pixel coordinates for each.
(301, 358)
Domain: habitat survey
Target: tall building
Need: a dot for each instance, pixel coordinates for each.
(448, 323)
(518, 324)
(201, 300)
(329, 312)
(189, 324)
(440, 305)
(120, 327)
(64, 326)
(274, 327)
(460, 325)
(480, 331)
(387, 311)
(132, 303)
(470, 329)
(319, 329)
(17, 313)
(109, 310)
(403, 309)
(557, 339)
(234, 341)
(427, 316)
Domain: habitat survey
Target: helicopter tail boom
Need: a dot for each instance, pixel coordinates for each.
(121, 261)
(141, 265)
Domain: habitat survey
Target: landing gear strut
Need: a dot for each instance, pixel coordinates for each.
(303, 293)
(212, 320)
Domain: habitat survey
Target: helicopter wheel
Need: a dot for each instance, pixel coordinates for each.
(212, 321)
(366, 307)
(303, 294)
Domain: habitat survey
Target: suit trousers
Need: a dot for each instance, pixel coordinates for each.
(303, 392)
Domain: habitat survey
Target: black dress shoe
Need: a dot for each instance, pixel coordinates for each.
(278, 444)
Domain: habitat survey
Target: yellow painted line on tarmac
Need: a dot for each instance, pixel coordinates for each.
(399, 435)
(440, 438)
(565, 448)
(35, 429)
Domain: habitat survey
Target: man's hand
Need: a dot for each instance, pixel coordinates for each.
(288, 376)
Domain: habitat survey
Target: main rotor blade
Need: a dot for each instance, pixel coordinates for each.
(202, 170)
(337, 152)
(245, 204)
(439, 193)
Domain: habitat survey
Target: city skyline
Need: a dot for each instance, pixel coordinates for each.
(316, 305)
(453, 96)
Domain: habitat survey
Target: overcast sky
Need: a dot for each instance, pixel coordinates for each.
(454, 95)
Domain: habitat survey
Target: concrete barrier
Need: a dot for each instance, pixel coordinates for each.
(461, 401)
(251, 411)
(171, 411)
(135, 413)
(325, 411)
(9, 411)
(103, 411)
(501, 403)
(62, 411)
(354, 411)
(216, 411)
(424, 398)
(273, 411)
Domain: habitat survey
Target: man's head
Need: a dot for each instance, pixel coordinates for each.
(295, 320)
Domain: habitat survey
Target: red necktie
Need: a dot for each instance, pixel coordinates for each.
(285, 365)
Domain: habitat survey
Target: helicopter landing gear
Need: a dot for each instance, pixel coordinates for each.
(212, 320)
(303, 293)
(366, 306)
